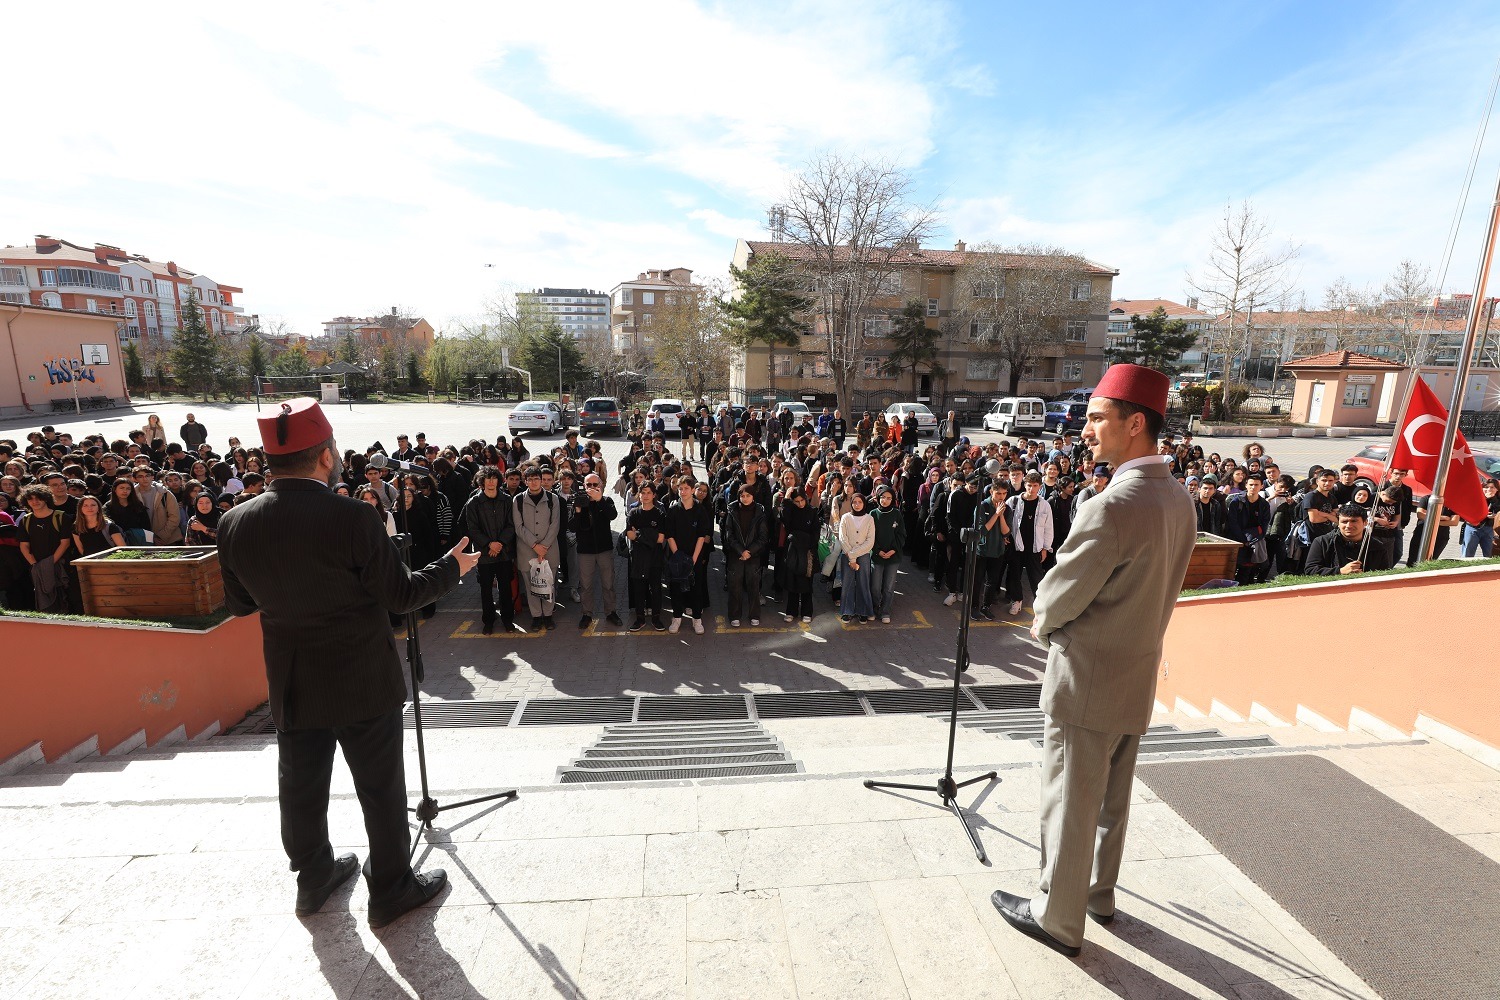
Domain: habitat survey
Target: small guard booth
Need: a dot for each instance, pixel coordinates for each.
(1341, 388)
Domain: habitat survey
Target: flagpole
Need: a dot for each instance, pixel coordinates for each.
(1461, 377)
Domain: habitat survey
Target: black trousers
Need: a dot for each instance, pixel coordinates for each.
(939, 563)
(744, 588)
(500, 573)
(372, 749)
(955, 564)
(1023, 564)
(988, 582)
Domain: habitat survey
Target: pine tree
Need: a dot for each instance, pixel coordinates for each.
(413, 372)
(195, 352)
(348, 350)
(913, 343)
(541, 353)
(135, 371)
(1155, 342)
(256, 359)
(770, 308)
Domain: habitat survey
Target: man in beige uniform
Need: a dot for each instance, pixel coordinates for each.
(1102, 611)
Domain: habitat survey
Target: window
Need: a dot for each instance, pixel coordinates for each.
(820, 369)
(877, 326)
(987, 288)
(86, 278)
(982, 331)
(129, 284)
(1072, 371)
(645, 319)
(891, 284)
(91, 305)
(983, 369)
(669, 299)
(1083, 291)
(130, 332)
(52, 300)
(15, 298)
(1356, 395)
(1077, 331)
(786, 365)
(873, 366)
(13, 276)
(932, 307)
(49, 278)
(150, 309)
(1119, 326)
(648, 298)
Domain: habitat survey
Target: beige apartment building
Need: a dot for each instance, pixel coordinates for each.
(635, 304)
(975, 376)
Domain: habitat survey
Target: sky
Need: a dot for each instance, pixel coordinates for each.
(334, 158)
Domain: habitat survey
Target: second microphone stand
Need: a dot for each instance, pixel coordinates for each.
(428, 808)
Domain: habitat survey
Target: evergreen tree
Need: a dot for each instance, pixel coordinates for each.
(413, 372)
(135, 372)
(914, 344)
(770, 308)
(390, 365)
(1155, 342)
(540, 352)
(256, 359)
(349, 350)
(195, 352)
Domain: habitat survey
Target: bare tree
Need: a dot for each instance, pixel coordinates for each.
(1014, 303)
(691, 342)
(1246, 270)
(855, 223)
(1405, 297)
(1350, 313)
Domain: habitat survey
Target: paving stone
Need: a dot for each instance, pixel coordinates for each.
(939, 944)
(521, 871)
(531, 951)
(324, 955)
(635, 949)
(428, 953)
(700, 862)
(216, 957)
(823, 855)
(839, 944)
(737, 947)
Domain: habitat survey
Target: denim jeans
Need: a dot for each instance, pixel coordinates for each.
(1479, 540)
(883, 586)
(856, 596)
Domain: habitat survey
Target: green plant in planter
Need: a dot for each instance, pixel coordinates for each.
(153, 554)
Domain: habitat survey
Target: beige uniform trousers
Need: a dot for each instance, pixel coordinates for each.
(1085, 809)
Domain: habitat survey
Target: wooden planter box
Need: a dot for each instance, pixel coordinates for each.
(187, 584)
(1213, 559)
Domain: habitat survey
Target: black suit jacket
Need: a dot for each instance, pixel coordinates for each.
(323, 573)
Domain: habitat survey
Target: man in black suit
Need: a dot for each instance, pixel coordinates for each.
(324, 576)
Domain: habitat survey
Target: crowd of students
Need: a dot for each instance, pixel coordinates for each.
(801, 517)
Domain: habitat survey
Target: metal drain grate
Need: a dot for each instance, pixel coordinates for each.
(808, 705)
(573, 777)
(914, 701)
(1007, 695)
(1222, 743)
(576, 711)
(713, 706)
(692, 749)
(462, 714)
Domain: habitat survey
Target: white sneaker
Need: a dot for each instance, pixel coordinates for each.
(787, 617)
(807, 619)
(698, 625)
(885, 619)
(676, 624)
(735, 623)
(950, 600)
(755, 621)
(1015, 608)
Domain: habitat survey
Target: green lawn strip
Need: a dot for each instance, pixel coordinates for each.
(1294, 581)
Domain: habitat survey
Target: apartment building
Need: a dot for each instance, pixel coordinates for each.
(1117, 332)
(147, 295)
(634, 304)
(975, 375)
(581, 313)
(378, 331)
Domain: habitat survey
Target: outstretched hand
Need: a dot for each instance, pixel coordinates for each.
(463, 557)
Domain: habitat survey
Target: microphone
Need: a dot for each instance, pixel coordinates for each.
(992, 466)
(379, 461)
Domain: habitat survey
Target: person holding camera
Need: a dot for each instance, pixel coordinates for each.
(323, 575)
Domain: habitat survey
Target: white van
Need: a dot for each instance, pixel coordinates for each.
(671, 412)
(1017, 413)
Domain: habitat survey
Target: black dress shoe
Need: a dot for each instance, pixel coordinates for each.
(428, 884)
(1017, 912)
(1101, 918)
(585, 621)
(311, 899)
(614, 619)
(489, 628)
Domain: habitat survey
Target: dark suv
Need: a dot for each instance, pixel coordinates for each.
(1066, 415)
(602, 413)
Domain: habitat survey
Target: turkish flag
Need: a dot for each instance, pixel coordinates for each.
(1417, 449)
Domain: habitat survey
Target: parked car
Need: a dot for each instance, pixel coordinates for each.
(799, 410)
(537, 415)
(1075, 396)
(1371, 462)
(602, 413)
(927, 422)
(671, 412)
(736, 412)
(1066, 416)
(1017, 414)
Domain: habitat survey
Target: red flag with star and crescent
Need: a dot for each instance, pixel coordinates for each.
(1417, 447)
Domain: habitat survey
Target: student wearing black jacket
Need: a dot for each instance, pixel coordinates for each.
(690, 533)
(1338, 553)
(745, 541)
(488, 518)
(646, 527)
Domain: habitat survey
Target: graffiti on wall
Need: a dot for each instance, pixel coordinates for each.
(67, 370)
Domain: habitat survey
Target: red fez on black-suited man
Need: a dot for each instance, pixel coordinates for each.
(300, 424)
(1142, 386)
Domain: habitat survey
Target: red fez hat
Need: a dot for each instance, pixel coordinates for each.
(299, 425)
(1134, 384)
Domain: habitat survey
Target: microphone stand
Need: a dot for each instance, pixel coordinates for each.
(945, 787)
(427, 809)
